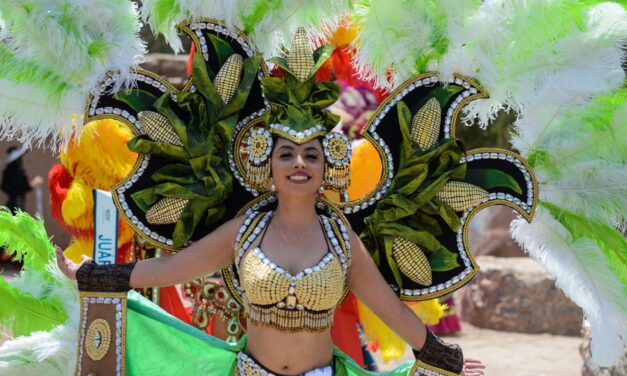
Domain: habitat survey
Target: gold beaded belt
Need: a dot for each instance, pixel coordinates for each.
(290, 320)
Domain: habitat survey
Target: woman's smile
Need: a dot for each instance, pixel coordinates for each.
(299, 177)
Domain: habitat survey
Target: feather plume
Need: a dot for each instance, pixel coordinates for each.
(50, 353)
(39, 298)
(580, 156)
(398, 39)
(53, 53)
(270, 24)
(566, 51)
(391, 345)
(163, 15)
(23, 313)
(585, 274)
(25, 238)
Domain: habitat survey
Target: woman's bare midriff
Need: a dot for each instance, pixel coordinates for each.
(289, 353)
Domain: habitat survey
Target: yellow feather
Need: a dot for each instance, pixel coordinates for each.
(78, 248)
(390, 344)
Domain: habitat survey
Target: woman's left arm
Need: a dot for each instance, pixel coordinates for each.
(365, 280)
(367, 283)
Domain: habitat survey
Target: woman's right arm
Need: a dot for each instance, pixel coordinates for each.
(205, 256)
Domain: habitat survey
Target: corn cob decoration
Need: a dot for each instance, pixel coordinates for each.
(462, 196)
(228, 78)
(425, 125)
(300, 59)
(167, 211)
(411, 261)
(158, 128)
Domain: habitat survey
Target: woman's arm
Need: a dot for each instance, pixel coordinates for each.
(365, 280)
(207, 255)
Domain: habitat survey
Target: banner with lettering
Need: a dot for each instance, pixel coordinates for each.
(105, 228)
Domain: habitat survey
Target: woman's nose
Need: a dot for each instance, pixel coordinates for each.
(299, 162)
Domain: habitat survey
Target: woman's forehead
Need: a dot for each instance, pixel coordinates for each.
(283, 142)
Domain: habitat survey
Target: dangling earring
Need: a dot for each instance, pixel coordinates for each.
(321, 190)
(272, 188)
(337, 150)
(259, 149)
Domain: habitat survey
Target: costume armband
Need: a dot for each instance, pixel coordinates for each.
(106, 278)
(439, 357)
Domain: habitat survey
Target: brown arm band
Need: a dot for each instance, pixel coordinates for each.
(106, 278)
(440, 354)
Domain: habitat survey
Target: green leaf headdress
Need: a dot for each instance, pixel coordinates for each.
(298, 114)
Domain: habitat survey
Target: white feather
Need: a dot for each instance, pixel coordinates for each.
(518, 49)
(50, 353)
(398, 39)
(56, 51)
(44, 353)
(580, 154)
(277, 27)
(581, 270)
(29, 115)
(226, 11)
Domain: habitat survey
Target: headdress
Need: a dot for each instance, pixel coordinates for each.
(298, 113)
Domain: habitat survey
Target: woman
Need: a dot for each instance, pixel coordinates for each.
(295, 240)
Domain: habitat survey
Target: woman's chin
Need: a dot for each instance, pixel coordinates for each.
(298, 190)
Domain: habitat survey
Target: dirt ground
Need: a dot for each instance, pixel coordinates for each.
(516, 354)
(504, 353)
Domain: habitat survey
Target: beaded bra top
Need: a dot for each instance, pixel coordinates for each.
(302, 302)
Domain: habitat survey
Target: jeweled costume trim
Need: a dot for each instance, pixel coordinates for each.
(292, 303)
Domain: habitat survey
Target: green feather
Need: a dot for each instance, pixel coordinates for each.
(610, 241)
(25, 238)
(24, 314)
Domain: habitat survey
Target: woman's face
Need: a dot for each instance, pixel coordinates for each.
(297, 169)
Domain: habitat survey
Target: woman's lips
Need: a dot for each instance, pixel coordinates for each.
(299, 178)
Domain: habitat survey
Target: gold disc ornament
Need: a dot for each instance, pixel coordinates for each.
(98, 339)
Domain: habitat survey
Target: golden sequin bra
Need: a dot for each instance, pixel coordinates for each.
(302, 302)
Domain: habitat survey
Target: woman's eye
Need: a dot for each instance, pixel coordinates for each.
(285, 155)
(312, 157)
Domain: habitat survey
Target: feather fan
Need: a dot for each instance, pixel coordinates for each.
(51, 353)
(53, 53)
(585, 274)
(269, 23)
(40, 297)
(517, 49)
(580, 156)
(399, 38)
(163, 15)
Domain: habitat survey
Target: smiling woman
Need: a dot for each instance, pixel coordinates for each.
(293, 264)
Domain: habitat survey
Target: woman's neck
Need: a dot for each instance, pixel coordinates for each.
(296, 213)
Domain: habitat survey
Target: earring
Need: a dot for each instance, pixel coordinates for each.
(321, 189)
(259, 149)
(272, 188)
(337, 151)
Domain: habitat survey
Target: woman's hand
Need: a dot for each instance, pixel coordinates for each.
(67, 266)
(472, 367)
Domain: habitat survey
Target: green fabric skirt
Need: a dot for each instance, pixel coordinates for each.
(160, 344)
